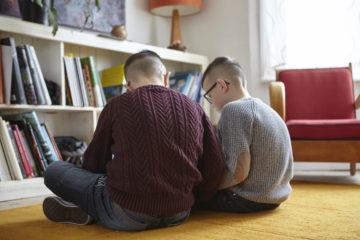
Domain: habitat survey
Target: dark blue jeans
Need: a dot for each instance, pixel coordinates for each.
(228, 201)
(88, 191)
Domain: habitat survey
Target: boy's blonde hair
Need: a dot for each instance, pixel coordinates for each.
(144, 64)
(227, 68)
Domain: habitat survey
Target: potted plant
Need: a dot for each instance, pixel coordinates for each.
(43, 11)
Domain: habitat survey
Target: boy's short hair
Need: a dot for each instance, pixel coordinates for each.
(140, 55)
(225, 67)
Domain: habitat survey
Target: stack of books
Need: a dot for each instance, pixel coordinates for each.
(27, 147)
(83, 87)
(188, 83)
(21, 78)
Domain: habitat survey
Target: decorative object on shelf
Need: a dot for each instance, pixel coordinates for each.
(36, 11)
(54, 90)
(119, 31)
(71, 149)
(175, 8)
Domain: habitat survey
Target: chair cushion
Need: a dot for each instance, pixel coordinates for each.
(318, 93)
(324, 129)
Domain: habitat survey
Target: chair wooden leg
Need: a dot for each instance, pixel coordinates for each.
(352, 168)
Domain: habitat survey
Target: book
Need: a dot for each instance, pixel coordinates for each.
(48, 141)
(88, 85)
(27, 81)
(33, 164)
(34, 148)
(9, 152)
(180, 81)
(41, 76)
(53, 141)
(189, 84)
(7, 66)
(195, 87)
(39, 152)
(68, 94)
(32, 118)
(1, 79)
(16, 150)
(17, 89)
(4, 168)
(23, 154)
(112, 81)
(98, 92)
(34, 75)
(81, 80)
(198, 94)
(72, 81)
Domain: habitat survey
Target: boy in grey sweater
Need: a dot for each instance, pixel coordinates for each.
(255, 141)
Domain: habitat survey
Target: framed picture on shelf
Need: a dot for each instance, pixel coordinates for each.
(72, 13)
(9, 8)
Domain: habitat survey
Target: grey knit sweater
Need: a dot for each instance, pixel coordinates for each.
(249, 125)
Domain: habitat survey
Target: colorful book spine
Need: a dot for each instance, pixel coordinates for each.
(53, 141)
(49, 143)
(34, 153)
(34, 75)
(34, 121)
(4, 168)
(16, 150)
(94, 80)
(32, 161)
(17, 89)
(26, 77)
(88, 85)
(23, 154)
(39, 152)
(41, 77)
(9, 152)
(6, 56)
(80, 78)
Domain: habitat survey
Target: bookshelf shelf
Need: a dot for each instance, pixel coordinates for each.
(26, 188)
(64, 120)
(47, 108)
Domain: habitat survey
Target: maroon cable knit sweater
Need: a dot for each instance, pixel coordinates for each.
(165, 151)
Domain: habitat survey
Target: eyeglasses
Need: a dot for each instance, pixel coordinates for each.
(208, 98)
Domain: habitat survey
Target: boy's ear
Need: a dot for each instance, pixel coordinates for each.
(129, 88)
(224, 87)
(166, 78)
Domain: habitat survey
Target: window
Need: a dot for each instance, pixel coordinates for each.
(309, 33)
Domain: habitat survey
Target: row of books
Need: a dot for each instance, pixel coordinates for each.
(83, 87)
(21, 78)
(188, 83)
(26, 146)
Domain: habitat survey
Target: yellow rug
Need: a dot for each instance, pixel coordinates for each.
(314, 211)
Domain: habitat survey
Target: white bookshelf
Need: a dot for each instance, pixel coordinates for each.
(66, 120)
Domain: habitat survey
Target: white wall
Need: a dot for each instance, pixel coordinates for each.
(144, 27)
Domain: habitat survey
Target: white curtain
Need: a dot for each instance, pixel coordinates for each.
(309, 33)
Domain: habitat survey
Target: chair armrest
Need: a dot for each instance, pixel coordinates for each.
(357, 102)
(277, 98)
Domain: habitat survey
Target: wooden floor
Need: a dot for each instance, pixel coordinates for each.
(342, 177)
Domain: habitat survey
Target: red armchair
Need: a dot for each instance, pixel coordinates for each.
(318, 108)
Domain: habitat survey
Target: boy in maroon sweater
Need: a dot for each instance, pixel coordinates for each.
(154, 152)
